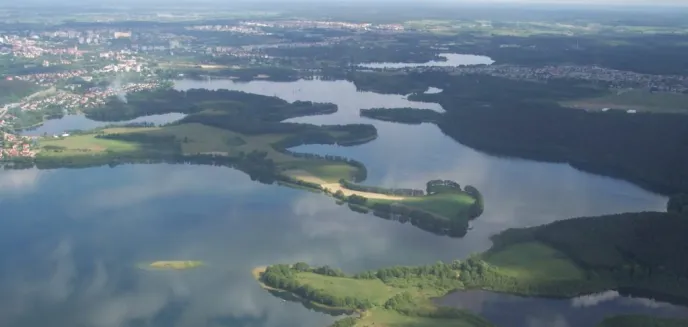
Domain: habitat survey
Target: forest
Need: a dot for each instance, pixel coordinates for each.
(525, 120)
(403, 115)
(638, 251)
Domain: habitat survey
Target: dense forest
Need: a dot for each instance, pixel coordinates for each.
(639, 251)
(403, 115)
(163, 101)
(524, 119)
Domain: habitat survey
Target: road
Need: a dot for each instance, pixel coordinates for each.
(3, 111)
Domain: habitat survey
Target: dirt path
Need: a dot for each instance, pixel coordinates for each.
(334, 187)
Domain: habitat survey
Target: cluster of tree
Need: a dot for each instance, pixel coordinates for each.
(403, 115)
(238, 104)
(678, 203)
(407, 304)
(380, 190)
(437, 186)
(356, 199)
(457, 227)
(641, 250)
(344, 135)
(476, 209)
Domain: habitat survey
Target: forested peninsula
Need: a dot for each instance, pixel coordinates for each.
(531, 120)
(636, 253)
(248, 132)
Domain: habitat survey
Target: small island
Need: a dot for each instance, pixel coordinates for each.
(172, 265)
(637, 253)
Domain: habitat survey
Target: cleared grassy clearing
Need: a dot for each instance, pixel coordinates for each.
(533, 260)
(635, 100)
(388, 318)
(371, 289)
(318, 171)
(84, 145)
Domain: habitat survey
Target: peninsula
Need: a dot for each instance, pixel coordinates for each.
(248, 132)
(638, 253)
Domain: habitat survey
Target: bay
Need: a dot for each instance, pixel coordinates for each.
(72, 239)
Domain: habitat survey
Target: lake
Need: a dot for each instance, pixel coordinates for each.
(451, 60)
(589, 310)
(74, 122)
(72, 238)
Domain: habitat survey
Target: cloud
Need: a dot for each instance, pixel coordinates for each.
(19, 181)
(594, 299)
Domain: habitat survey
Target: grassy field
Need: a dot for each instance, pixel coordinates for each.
(373, 290)
(635, 100)
(444, 204)
(318, 171)
(388, 318)
(196, 138)
(533, 260)
(84, 145)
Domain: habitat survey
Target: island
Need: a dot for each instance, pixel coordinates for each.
(248, 132)
(634, 253)
(171, 265)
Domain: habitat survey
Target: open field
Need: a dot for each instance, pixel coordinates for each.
(388, 318)
(533, 260)
(371, 289)
(635, 100)
(195, 138)
(444, 204)
(82, 145)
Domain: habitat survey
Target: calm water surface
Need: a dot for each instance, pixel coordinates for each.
(590, 310)
(72, 238)
(452, 60)
(74, 122)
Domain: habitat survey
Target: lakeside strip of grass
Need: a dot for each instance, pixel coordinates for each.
(640, 253)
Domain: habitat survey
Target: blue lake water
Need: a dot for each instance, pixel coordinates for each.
(72, 238)
(451, 60)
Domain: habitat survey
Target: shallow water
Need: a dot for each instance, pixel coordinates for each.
(584, 311)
